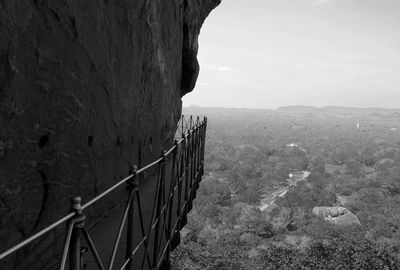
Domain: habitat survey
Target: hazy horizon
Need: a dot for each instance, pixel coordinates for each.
(292, 105)
(270, 54)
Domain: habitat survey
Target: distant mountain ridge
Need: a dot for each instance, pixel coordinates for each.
(337, 108)
(299, 108)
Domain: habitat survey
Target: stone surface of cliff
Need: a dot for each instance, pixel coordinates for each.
(87, 88)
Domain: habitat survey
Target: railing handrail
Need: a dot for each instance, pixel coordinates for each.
(191, 127)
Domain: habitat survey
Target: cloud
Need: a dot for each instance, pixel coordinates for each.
(222, 69)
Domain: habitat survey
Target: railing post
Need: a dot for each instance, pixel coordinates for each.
(171, 197)
(132, 186)
(75, 245)
(159, 198)
(176, 238)
(204, 133)
(198, 141)
(187, 174)
(191, 172)
(182, 185)
(182, 122)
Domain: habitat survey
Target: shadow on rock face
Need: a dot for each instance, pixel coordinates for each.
(190, 65)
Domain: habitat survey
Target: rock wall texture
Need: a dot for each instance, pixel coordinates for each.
(87, 88)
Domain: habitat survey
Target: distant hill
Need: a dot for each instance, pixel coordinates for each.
(364, 110)
(298, 109)
(302, 108)
(339, 110)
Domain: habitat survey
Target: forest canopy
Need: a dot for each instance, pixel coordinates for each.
(266, 171)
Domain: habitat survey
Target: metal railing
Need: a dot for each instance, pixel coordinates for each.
(186, 122)
(149, 239)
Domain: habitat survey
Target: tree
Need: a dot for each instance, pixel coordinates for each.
(354, 168)
(337, 253)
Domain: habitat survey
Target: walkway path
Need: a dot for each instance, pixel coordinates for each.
(270, 197)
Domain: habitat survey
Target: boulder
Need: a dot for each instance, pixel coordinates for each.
(336, 215)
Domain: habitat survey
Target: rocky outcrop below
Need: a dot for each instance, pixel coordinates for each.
(87, 88)
(337, 215)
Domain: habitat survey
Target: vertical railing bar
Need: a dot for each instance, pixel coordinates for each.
(158, 215)
(182, 120)
(133, 253)
(184, 123)
(75, 250)
(173, 185)
(190, 166)
(197, 154)
(75, 242)
(200, 147)
(66, 245)
(146, 242)
(181, 174)
(168, 204)
(153, 212)
(160, 261)
(187, 157)
(174, 178)
(191, 169)
(164, 212)
(204, 143)
(121, 227)
(132, 186)
(164, 208)
(196, 160)
(145, 236)
(92, 248)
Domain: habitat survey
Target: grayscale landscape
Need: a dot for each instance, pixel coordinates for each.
(200, 134)
(296, 188)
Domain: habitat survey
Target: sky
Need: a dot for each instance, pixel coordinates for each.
(273, 53)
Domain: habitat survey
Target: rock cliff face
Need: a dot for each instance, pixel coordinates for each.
(87, 88)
